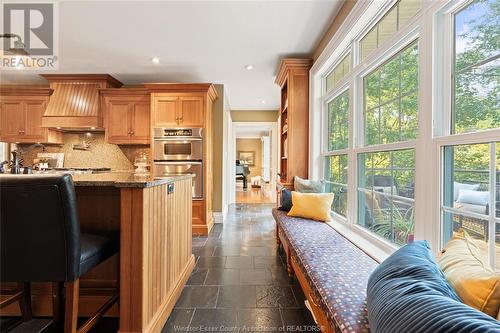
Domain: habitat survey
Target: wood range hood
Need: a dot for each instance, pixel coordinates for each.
(75, 103)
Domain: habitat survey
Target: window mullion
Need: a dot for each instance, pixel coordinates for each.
(492, 205)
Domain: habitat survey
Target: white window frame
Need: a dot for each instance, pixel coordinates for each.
(334, 93)
(360, 20)
(378, 58)
(443, 53)
(341, 83)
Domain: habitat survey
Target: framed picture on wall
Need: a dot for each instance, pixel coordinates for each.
(247, 157)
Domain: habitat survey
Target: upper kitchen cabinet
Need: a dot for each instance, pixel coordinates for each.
(75, 102)
(21, 112)
(127, 115)
(191, 111)
(178, 109)
(165, 110)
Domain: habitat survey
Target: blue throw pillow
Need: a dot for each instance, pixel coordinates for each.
(409, 293)
(285, 200)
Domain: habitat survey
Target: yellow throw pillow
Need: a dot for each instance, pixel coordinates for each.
(314, 206)
(464, 264)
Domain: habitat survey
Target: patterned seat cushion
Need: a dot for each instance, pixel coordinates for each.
(336, 270)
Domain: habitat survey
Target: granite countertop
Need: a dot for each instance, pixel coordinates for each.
(117, 179)
(123, 179)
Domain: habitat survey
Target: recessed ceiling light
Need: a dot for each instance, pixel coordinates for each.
(155, 60)
(263, 101)
(248, 67)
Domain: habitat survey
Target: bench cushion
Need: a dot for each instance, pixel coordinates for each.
(337, 271)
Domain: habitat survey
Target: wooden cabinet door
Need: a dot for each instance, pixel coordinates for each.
(166, 111)
(33, 123)
(191, 111)
(12, 120)
(118, 122)
(140, 123)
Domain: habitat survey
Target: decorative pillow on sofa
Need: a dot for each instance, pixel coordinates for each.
(409, 293)
(314, 206)
(473, 197)
(467, 269)
(285, 200)
(462, 186)
(308, 185)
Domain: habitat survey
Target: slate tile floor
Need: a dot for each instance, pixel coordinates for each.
(240, 283)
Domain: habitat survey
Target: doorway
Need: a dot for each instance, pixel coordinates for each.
(255, 162)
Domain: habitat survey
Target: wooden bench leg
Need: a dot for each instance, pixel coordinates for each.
(25, 300)
(71, 308)
(278, 240)
(289, 267)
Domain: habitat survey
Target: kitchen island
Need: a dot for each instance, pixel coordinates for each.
(153, 218)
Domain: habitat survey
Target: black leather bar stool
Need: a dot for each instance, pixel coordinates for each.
(41, 242)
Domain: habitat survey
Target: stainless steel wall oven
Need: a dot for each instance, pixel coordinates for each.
(179, 151)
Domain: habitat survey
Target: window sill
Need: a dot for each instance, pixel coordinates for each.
(376, 248)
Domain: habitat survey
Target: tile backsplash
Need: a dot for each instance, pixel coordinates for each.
(92, 151)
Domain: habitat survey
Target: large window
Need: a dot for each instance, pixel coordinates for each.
(386, 179)
(412, 151)
(476, 77)
(336, 160)
(470, 162)
(391, 99)
(386, 186)
(471, 193)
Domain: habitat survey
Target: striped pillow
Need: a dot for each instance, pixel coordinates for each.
(409, 293)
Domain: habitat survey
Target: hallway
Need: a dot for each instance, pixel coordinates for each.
(240, 282)
(253, 195)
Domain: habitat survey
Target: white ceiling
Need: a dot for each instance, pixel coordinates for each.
(244, 131)
(206, 41)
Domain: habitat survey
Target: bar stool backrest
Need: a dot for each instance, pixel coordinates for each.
(39, 229)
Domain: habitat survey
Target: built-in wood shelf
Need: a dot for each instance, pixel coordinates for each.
(293, 79)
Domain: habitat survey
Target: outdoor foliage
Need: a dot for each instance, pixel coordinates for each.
(391, 99)
(338, 122)
(477, 67)
(336, 182)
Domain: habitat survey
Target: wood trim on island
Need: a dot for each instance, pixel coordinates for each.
(156, 257)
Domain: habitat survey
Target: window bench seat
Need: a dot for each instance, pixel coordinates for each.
(332, 272)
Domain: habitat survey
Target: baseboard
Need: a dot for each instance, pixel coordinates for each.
(219, 217)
